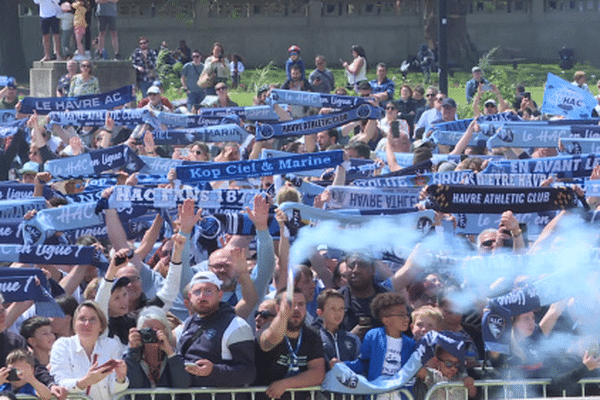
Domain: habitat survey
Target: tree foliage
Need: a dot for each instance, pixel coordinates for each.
(12, 57)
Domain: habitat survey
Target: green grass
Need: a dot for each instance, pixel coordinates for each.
(533, 76)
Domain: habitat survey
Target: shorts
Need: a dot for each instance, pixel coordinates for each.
(105, 22)
(50, 24)
(79, 31)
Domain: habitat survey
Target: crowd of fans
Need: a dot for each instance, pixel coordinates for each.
(177, 310)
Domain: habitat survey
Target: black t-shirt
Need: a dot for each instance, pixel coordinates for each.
(273, 365)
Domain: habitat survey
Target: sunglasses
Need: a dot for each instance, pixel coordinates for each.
(450, 364)
(488, 243)
(221, 88)
(391, 108)
(85, 66)
(263, 314)
(429, 95)
(196, 56)
(439, 98)
(490, 105)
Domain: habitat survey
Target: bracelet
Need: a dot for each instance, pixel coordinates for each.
(517, 234)
(174, 263)
(109, 280)
(107, 130)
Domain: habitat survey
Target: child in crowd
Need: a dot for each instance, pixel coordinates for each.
(80, 24)
(425, 319)
(294, 52)
(21, 380)
(338, 344)
(447, 368)
(385, 349)
(38, 333)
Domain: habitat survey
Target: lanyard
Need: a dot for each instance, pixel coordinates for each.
(294, 368)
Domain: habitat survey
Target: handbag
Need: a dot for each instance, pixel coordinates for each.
(208, 78)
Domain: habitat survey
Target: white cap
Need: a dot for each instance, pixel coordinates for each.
(206, 276)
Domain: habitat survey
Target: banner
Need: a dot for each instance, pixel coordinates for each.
(130, 196)
(95, 162)
(564, 98)
(494, 199)
(251, 113)
(11, 231)
(312, 99)
(220, 133)
(19, 284)
(358, 166)
(366, 198)
(316, 123)
(465, 177)
(592, 187)
(44, 105)
(581, 146)
(341, 379)
(54, 254)
(16, 191)
(255, 168)
(193, 121)
(8, 129)
(473, 224)
(18, 208)
(122, 117)
(576, 166)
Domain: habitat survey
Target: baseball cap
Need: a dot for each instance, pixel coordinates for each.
(30, 167)
(490, 101)
(157, 83)
(448, 102)
(121, 282)
(262, 89)
(475, 69)
(153, 90)
(206, 276)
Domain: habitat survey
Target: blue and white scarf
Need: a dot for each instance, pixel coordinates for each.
(8, 129)
(473, 224)
(318, 100)
(18, 208)
(316, 123)
(193, 121)
(581, 146)
(7, 116)
(108, 100)
(255, 168)
(451, 177)
(251, 113)
(367, 198)
(95, 162)
(16, 191)
(122, 117)
(219, 133)
(575, 166)
(19, 284)
(54, 254)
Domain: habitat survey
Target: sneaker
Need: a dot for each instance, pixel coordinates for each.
(117, 56)
(88, 54)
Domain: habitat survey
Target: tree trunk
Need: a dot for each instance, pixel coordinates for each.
(12, 57)
(461, 52)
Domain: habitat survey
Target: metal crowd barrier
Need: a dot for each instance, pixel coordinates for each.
(72, 396)
(526, 388)
(315, 393)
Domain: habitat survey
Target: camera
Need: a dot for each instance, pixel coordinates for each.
(13, 375)
(148, 335)
(121, 260)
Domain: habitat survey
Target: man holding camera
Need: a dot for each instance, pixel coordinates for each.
(216, 345)
(474, 83)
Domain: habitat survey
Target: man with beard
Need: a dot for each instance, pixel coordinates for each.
(218, 343)
(289, 353)
(358, 293)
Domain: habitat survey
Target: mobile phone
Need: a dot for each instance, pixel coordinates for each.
(190, 364)
(109, 365)
(527, 95)
(486, 87)
(121, 260)
(13, 375)
(395, 128)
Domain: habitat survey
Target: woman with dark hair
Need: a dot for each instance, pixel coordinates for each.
(84, 83)
(356, 71)
(407, 107)
(219, 64)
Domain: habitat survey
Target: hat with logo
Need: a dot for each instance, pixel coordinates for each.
(30, 167)
(208, 277)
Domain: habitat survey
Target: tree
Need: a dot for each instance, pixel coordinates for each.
(460, 49)
(12, 57)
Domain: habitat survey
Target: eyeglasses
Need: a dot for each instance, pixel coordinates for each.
(391, 108)
(221, 88)
(206, 292)
(490, 105)
(263, 314)
(450, 364)
(196, 56)
(439, 98)
(91, 321)
(488, 243)
(85, 66)
(429, 95)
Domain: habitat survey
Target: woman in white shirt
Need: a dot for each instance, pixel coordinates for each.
(356, 71)
(89, 362)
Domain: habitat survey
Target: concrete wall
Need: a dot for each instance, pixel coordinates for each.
(535, 33)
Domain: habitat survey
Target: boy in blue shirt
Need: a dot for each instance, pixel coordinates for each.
(24, 382)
